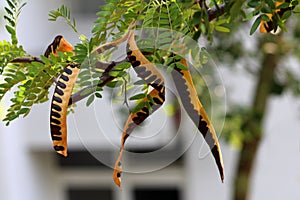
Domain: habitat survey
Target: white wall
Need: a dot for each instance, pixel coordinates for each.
(33, 176)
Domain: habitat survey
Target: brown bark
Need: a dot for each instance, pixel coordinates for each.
(253, 123)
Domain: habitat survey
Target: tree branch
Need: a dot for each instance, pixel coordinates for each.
(105, 78)
(27, 60)
(253, 123)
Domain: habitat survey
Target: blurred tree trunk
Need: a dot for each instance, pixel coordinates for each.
(252, 125)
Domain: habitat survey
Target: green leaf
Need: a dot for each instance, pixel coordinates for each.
(271, 4)
(150, 99)
(122, 66)
(24, 4)
(117, 73)
(28, 103)
(251, 15)
(98, 95)
(253, 4)
(90, 100)
(265, 17)
(284, 5)
(235, 8)
(10, 117)
(87, 91)
(9, 80)
(286, 15)
(266, 10)
(255, 25)
(20, 75)
(139, 107)
(114, 84)
(24, 111)
(170, 68)
(138, 96)
(295, 3)
(11, 5)
(9, 12)
(85, 83)
(168, 61)
(104, 13)
(180, 66)
(222, 29)
(10, 30)
(31, 97)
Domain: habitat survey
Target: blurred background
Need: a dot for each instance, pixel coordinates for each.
(164, 161)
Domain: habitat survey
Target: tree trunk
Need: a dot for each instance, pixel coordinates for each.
(254, 122)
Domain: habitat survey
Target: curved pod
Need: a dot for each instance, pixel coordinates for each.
(59, 107)
(62, 94)
(150, 74)
(194, 108)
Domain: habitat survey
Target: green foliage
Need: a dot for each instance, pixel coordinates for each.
(255, 24)
(115, 15)
(237, 127)
(81, 50)
(265, 8)
(65, 13)
(32, 88)
(138, 96)
(30, 83)
(292, 82)
(167, 15)
(8, 52)
(236, 9)
(13, 11)
(163, 24)
(232, 129)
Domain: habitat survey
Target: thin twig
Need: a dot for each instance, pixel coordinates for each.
(105, 77)
(217, 11)
(98, 65)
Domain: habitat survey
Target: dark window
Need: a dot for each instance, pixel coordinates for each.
(81, 158)
(156, 194)
(157, 156)
(89, 194)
